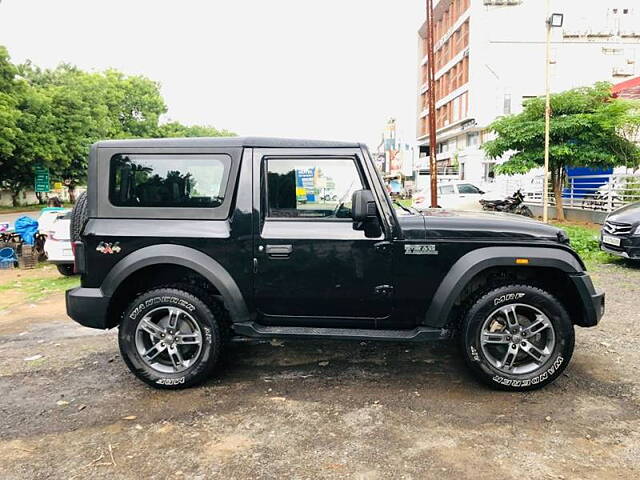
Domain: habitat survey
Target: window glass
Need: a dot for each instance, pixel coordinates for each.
(446, 190)
(311, 188)
(473, 138)
(168, 180)
(467, 188)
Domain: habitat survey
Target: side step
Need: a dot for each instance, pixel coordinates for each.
(418, 334)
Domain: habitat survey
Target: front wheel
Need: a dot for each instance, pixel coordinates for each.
(170, 339)
(517, 338)
(525, 211)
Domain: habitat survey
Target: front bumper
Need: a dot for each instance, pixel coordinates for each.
(593, 301)
(629, 247)
(88, 307)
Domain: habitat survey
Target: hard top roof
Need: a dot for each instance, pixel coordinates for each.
(267, 142)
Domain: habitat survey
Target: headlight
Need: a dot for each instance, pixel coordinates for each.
(637, 232)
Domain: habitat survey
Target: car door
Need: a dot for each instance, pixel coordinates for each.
(469, 196)
(311, 266)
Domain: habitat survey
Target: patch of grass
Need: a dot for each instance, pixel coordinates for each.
(585, 241)
(36, 289)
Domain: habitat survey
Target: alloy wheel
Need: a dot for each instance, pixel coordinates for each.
(517, 339)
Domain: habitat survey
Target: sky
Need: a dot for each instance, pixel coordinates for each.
(326, 69)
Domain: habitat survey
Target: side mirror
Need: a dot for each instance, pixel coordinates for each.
(363, 206)
(365, 213)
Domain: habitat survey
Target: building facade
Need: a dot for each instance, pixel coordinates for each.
(490, 57)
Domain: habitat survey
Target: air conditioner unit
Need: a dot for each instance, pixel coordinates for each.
(624, 70)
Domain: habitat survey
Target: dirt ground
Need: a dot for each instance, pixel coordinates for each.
(69, 408)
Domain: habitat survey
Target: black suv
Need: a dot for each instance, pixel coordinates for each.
(186, 243)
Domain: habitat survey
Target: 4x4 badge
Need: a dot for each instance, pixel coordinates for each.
(428, 249)
(108, 248)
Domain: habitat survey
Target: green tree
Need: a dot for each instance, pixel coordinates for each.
(51, 117)
(588, 128)
(176, 129)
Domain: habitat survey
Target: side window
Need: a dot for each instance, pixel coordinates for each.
(168, 180)
(446, 190)
(467, 188)
(311, 188)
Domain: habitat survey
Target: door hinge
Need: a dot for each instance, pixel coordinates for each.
(383, 246)
(384, 290)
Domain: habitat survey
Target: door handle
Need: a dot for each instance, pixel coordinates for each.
(279, 251)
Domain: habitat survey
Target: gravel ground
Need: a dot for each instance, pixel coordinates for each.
(70, 409)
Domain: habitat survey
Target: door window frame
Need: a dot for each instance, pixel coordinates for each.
(264, 186)
(385, 212)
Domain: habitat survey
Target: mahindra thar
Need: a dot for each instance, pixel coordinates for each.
(185, 244)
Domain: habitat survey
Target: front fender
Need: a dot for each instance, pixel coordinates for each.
(478, 260)
(187, 257)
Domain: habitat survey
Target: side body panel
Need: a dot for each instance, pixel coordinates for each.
(222, 247)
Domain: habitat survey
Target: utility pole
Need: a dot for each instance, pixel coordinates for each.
(431, 83)
(547, 119)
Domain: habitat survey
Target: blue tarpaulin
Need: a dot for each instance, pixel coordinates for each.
(27, 228)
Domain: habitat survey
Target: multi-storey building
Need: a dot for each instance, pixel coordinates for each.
(490, 57)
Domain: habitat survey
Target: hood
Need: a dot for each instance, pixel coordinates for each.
(413, 227)
(627, 214)
(487, 225)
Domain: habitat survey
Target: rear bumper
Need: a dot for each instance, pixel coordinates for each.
(88, 307)
(593, 301)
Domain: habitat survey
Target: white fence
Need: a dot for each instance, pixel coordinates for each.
(595, 192)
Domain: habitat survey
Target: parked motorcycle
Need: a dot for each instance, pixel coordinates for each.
(513, 204)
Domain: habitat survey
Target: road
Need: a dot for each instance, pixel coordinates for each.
(315, 410)
(13, 216)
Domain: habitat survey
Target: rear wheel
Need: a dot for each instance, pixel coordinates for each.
(169, 338)
(518, 338)
(65, 269)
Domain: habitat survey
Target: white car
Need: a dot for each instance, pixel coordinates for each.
(455, 195)
(58, 244)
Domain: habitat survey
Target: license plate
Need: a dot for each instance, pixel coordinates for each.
(611, 240)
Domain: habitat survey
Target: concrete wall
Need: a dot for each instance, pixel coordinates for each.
(28, 197)
(573, 214)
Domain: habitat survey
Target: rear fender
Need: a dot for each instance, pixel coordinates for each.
(187, 257)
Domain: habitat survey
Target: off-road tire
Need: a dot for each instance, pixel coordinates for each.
(66, 269)
(79, 216)
(500, 297)
(198, 309)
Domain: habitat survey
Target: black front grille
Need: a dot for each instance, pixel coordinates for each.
(616, 228)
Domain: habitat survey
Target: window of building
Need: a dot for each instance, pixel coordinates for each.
(195, 181)
(506, 108)
(473, 139)
(311, 188)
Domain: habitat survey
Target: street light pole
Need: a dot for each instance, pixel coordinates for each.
(431, 84)
(547, 119)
